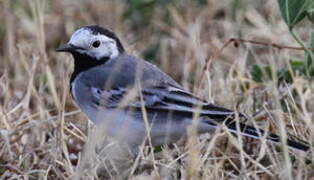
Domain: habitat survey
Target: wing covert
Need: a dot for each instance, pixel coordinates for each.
(162, 98)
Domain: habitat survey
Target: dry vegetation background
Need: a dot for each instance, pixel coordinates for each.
(43, 133)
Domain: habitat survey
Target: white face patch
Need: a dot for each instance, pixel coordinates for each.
(84, 38)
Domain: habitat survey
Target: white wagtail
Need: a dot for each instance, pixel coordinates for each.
(105, 75)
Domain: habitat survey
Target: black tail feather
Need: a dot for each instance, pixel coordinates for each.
(258, 133)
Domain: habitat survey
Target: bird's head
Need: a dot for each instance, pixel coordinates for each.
(95, 42)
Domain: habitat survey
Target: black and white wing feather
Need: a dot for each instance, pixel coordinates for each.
(173, 99)
(162, 98)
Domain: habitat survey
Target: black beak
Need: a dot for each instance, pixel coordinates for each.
(68, 48)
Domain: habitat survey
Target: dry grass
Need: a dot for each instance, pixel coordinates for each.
(43, 134)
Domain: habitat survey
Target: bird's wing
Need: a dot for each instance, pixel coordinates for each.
(173, 99)
(160, 98)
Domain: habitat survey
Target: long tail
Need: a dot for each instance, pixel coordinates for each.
(256, 133)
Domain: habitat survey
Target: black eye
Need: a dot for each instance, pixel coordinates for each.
(96, 44)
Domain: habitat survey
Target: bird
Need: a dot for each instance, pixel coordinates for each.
(133, 99)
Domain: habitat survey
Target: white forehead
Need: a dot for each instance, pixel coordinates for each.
(84, 37)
